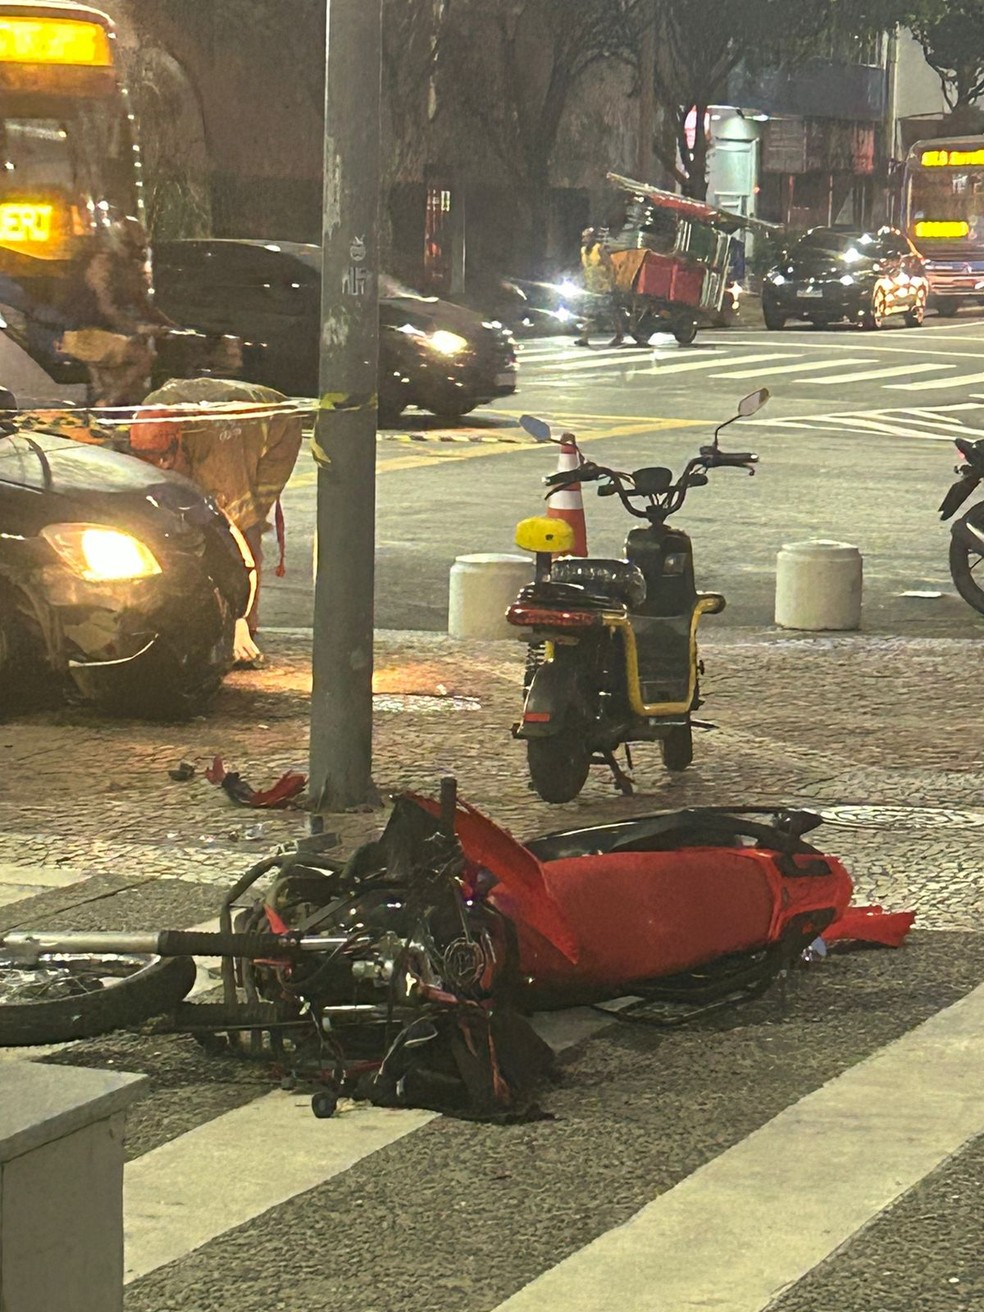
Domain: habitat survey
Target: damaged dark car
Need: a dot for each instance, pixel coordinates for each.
(119, 583)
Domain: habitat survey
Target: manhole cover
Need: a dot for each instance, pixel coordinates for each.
(423, 704)
(900, 817)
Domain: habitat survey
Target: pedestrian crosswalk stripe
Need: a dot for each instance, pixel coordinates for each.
(892, 371)
(962, 380)
(941, 424)
(572, 353)
(754, 1220)
(177, 1197)
(628, 358)
(795, 368)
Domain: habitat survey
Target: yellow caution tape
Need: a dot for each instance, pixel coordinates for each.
(338, 403)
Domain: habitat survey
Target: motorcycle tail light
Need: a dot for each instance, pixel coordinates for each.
(543, 617)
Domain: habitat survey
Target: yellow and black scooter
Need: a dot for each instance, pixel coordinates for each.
(613, 643)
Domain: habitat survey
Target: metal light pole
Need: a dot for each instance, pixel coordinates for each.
(345, 436)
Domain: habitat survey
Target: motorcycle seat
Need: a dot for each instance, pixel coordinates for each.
(620, 580)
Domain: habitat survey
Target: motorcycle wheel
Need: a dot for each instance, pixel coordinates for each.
(685, 330)
(558, 765)
(76, 997)
(967, 572)
(678, 748)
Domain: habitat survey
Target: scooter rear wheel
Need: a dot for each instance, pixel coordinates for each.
(558, 765)
(678, 748)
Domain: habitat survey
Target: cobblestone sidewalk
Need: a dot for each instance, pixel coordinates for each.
(880, 734)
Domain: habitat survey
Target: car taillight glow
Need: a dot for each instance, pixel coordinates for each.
(543, 617)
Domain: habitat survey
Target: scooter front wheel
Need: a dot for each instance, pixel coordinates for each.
(558, 765)
(967, 571)
(678, 748)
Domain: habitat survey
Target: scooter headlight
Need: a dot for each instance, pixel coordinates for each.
(101, 555)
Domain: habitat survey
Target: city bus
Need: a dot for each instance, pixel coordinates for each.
(943, 214)
(69, 169)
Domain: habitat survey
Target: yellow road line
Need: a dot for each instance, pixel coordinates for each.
(447, 452)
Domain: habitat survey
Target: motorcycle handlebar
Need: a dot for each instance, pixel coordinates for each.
(735, 458)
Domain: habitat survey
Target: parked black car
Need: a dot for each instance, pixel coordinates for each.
(435, 355)
(841, 273)
(119, 577)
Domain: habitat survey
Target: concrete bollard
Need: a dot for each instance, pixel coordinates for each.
(818, 586)
(482, 588)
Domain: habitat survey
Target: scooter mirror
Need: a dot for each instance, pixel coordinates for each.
(754, 402)
(536, 428)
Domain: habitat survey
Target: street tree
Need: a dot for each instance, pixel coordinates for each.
(700, 43)
(952, 38)
(513, 67)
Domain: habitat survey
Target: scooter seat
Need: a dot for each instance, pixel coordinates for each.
(618, 579)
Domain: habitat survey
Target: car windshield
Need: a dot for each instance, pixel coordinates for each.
(837, 242)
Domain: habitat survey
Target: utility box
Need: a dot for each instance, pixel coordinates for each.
(61, 1187)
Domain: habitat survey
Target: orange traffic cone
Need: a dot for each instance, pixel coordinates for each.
(566, 503)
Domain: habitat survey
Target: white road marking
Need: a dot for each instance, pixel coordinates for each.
(963, 380)
(571, 354)
(19, 882)
(796, 368)
(630, 359)
(194, 1188)
(899, 422)
(710, 362)
(752, 1222)
(890, 372)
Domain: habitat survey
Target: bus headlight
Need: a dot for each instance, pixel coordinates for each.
(101, 555)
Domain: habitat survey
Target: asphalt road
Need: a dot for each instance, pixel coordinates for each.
(854, 446)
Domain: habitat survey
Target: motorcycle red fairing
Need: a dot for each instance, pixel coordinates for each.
(595, 924)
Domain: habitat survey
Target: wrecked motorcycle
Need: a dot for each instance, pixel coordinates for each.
(613, 643)
(967, 533)
(407, 973)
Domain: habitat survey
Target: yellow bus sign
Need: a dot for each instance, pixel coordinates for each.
(65, 41)
(942, 228)
(952, 159)
(22, 223)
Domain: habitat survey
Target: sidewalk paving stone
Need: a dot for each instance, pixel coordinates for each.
(822, 721)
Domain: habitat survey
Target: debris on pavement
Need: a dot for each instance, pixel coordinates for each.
(182, 772)
(280, 796)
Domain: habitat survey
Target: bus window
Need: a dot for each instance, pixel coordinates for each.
(35, 153)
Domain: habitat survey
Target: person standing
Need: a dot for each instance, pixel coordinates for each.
(599, 282)
(239, 442)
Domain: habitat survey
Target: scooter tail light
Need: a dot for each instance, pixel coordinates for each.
(542, 617)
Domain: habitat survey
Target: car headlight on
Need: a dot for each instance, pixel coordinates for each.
(847, 280)
(776, 279)
(448, 343)
(101, 555)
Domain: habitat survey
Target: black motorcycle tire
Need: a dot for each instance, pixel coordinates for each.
(150, 991)
(685, 330)
(558, 765)
(963, 562)
(678, 748)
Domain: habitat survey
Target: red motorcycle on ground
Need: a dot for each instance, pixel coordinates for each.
(406, 973)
